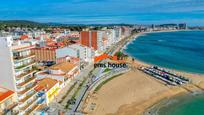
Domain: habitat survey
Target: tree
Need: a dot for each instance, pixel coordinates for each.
(121, 55)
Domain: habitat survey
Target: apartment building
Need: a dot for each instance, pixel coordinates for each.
(54, 54)
(92, 39)
(125, 31)
(48, 89)
(85, 53)
(63, 72)
(17, 73)
(118, 33)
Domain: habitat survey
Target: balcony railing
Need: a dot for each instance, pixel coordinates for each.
(27, 97)
(33, 108)
(28, 104)
(27, 89)
(23, 57)
(9, 108)
(26, 73)
(26, 81)
(25, 65)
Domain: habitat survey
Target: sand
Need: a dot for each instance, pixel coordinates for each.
(134, 92)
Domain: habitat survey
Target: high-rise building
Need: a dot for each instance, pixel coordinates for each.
(92, 39)
(17, 73)
(118, 33)
(85, 53)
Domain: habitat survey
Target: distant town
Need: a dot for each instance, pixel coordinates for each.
(49, 68)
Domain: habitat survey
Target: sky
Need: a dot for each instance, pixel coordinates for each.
(104, 11)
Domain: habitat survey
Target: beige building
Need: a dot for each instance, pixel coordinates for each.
(63, 72)
(49, 87)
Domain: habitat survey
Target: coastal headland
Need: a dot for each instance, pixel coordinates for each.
(134, 92)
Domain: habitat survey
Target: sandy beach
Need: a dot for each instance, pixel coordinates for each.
(134, 92)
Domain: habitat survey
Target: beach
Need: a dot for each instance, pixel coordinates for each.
(134, 92)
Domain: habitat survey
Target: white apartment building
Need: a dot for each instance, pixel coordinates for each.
(100, 42)
(85, 53)
(118, 34)
(17, 68)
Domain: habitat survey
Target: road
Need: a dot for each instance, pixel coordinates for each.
(96, 74)
(55, 106)
(91, 75)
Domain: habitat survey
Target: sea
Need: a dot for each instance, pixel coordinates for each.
(190, 104)
(179, 50)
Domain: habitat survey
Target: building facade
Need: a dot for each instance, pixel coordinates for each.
(18, 74)
(92, 39)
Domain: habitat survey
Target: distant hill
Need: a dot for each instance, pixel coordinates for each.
(32, 23)
(23, 23)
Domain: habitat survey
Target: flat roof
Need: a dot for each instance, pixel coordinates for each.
(64, 66)
(46, 83)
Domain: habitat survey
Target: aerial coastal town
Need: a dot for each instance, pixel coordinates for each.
(51, 70)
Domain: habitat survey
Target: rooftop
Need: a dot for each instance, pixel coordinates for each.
(65, 66)
(46, 83)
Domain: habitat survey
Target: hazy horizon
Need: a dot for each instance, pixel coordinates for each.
(105, 11)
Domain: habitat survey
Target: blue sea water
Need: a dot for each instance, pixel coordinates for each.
(181, 50)
(182, 105)
(190, 104)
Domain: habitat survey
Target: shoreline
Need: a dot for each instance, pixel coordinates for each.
(166, 102)
(146, 63)
(172, 92)
(136, 103)
(171, 69)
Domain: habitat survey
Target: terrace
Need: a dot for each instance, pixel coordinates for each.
(28, 104)
(18, 58)
(33, 109)
(28, 72)
(27, 81)
(27, 89)
(27, 97)
(9, 108)
(25, 65)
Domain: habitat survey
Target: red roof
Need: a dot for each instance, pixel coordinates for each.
(23, 37)
(39, 88)
(4, 95)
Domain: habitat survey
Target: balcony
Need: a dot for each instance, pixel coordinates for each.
(22, 47)
(28, 104)
(40, 94)
(26, 81)
(25, 65)
(9, 108)
(53, 94)
(41, 101)
(28, 72)
(27, 97)
(18, 58)
(27, 89)
(33, 109)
